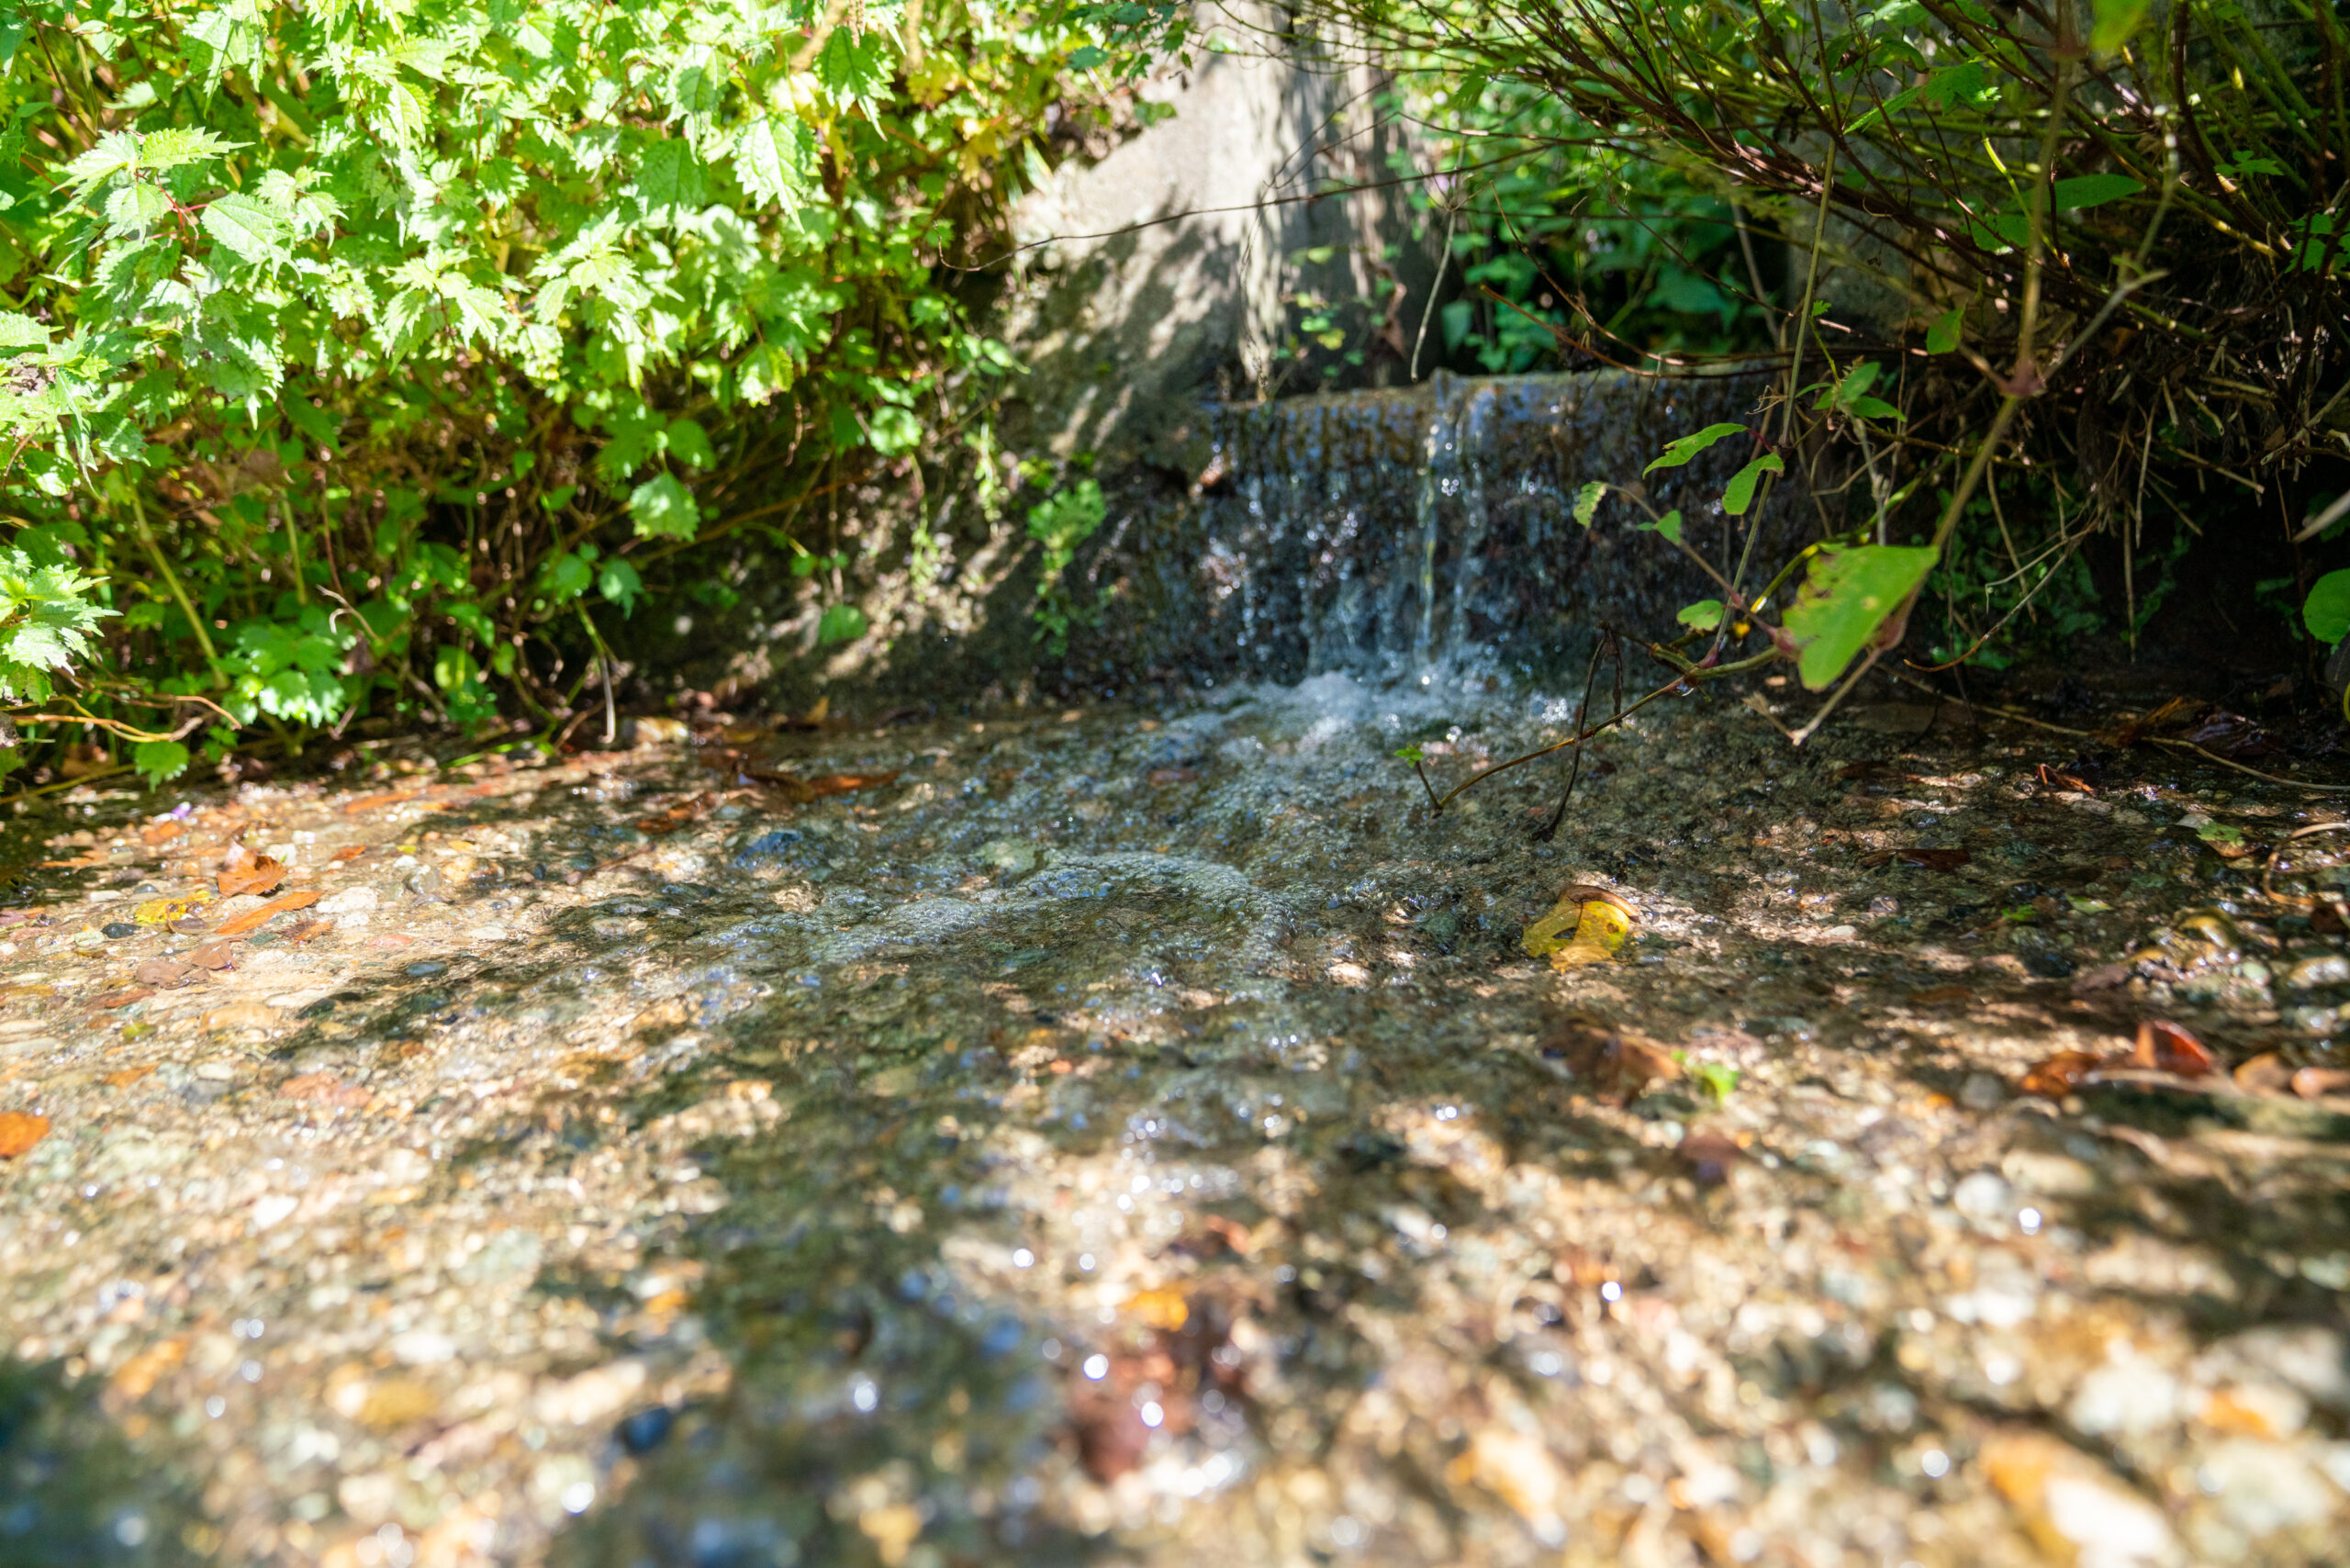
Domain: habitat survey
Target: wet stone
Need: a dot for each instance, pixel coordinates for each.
(1143, 1138)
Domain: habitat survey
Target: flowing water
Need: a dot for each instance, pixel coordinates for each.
(1389, 535)
(1140, 1136)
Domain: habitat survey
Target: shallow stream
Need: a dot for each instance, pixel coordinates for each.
(1132, 1138)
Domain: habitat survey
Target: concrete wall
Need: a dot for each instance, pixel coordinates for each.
(1170, 268)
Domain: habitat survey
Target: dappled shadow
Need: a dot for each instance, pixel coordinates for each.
(72, 1494)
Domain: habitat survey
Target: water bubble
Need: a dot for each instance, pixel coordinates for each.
(1022, 1259)
(1611, 1291)
(2029, 1221)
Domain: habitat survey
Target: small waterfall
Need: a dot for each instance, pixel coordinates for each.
(1402, 532)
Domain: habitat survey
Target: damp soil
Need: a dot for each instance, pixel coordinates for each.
(1138, 1137)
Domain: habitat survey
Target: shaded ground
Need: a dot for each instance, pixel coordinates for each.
(1130, 1139)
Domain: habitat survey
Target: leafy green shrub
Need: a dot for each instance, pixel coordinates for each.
(2095, 251)
(357, 358)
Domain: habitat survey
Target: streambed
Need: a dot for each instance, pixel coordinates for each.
(1140, 1138)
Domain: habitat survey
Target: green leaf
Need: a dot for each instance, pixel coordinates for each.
(2326, 611)
(662, 507)
(688, 443)
(1739, 493)
(2117, 23)
(157, 761)
(1587, 502)
(1682, 449)
(1845, 598)
(1668, 525)
(244, 225)
(568, 577)
(840, 623)
(1703, 616)
(1413, 753)
(17, 331)
(2092, 190)
(775, 160)
(618, 581)
(1942, 337)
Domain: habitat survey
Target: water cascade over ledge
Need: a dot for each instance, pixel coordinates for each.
(1391, 534)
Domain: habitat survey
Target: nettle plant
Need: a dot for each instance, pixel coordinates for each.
(361, 358)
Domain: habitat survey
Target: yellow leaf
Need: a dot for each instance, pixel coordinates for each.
(162, 911)
(1588, 925)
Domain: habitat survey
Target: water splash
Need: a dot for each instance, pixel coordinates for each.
(1402, 533)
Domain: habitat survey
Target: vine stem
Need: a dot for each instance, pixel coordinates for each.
(179, 592)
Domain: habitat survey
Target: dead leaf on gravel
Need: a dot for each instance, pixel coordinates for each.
(162, 911)
(1709, 1157)
(2104, 977)
(163, 973)
(348, 852)
(219, 956)
(372, 803)
(2166, 1048)
(2059, 1074)
(247, 872)
(127, 1077)
(2317, 1082)
(680, 815)
(1933, 995)
(254, 919)
(325, 1089)
(242, 1015)
(1587, 926)
(1920, 859)
(19, 1131)
(2057, 778)
(309, 931)
(2265, 1074)
(800, 791)
(124, 997)
(1616, 1066)
(162, 831)
(136, 1377)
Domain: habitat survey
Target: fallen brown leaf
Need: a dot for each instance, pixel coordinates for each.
(134, 1379)
(2317, 1082)
(348, 852)
(325, 1089)
(1709, 1156)
(127, 1077)
(163, 973)
(242, 1015)
(2059, 1074)
(1618, 1065)
(2104, 977)
(1172, 774)
(162, 831)
(1940, 993)
(19, 1131)
(370, 802)
(254, 919)
(2166, 1048)
(310, 930)
(247, 872)
(2057, 778)
(2264, 1074)
(219, 956)
(124, 997)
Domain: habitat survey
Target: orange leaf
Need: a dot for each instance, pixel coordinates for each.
(19, 1132)
(247, 872)
(2166, 1048)
(2059, 1074)
(348, 852)
(369, 803)
(162, 831)
(254, 919)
